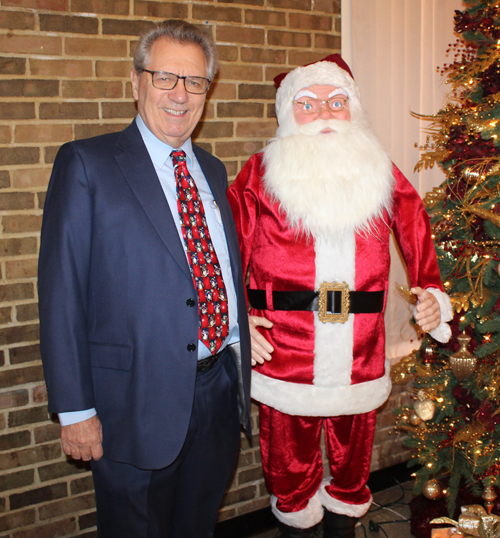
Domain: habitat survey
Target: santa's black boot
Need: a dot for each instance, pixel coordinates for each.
(293, 532)
(338, 525)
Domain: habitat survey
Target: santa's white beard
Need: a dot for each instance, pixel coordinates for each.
(329, 184)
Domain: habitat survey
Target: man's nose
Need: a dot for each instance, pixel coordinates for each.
(179, 93)
(326, 112)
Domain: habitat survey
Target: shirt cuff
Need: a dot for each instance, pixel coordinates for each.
(73, 417)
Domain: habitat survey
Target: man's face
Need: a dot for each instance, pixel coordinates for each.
(323, 92)
(171, 115)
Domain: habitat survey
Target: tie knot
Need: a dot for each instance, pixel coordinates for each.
(178, 156)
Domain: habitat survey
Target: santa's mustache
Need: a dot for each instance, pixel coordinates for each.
(318, 126)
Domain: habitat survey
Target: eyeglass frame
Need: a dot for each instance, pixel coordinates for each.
(335, 97)
(178, 77)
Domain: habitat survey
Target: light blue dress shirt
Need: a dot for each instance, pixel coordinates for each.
(160, 155)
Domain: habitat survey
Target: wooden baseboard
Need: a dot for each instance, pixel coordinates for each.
(263, 520)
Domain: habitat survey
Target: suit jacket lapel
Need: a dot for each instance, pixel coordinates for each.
(136, 165)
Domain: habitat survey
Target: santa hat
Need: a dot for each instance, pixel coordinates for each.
(331, 70)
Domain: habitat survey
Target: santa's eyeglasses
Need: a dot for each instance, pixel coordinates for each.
(314, 106)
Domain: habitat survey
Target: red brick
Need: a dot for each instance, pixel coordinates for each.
(27, 312)
(20, 355)
(164, 10)
(87, 520)
(21, 268)
(17, 519)
(248, 2)
(67, 506)
(213, 129)
(19, 155)
(328, 6)
(118, 110)
(42, 133)
(30, 44)
(29, 88)
(52, 5)
(61, 68)
(4, 179)
(63, 23)
(29, 178)
(227, 53)
(240, 72)
(5, 315)
(62, 469)
(5, 136)
(81, 485)
(16, 200)
(256, 129)
(64, 111)
(91, 89)
(124, 27)
(48, 432)
(53, 530)
(17, 111)
(301, 5)
(20, 376)
(256, 91)
(305, 21)
(219, 90)
(240, 110)
(265, 17)
(30, 456)
(12, 66)
(240, 34)
(326, 41)
(14, 398)
(263, 56)
(17, 20)
(21, 223)
(14, 335)
(237, 149)
(289, 39)
(88, 47)
(111, 68)
(88, 130)
(10, 441)
(110, 7)
(299, 57)
(30, 416)
(14, 247)
(19, 479)
(216, 13)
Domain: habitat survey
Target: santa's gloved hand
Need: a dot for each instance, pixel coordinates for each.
(428, 311)
(261, 348)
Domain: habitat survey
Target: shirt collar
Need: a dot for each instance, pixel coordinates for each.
(158, 150)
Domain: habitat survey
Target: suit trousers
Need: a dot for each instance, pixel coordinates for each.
(183, 499)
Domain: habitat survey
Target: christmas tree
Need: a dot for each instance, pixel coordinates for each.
(454, 424)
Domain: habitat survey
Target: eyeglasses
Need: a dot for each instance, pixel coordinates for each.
(168, 81)
(314, 106)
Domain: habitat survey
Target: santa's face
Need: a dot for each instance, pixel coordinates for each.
(322, 92)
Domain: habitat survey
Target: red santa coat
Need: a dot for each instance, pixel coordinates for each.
(326, 369)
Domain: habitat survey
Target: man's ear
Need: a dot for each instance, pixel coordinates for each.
(134, 78)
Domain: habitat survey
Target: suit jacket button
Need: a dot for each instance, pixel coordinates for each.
(191, 347)
(190, 302)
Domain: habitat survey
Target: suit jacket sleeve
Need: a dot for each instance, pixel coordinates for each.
(63, 284)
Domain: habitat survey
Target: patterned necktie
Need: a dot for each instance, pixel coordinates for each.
(203, 262)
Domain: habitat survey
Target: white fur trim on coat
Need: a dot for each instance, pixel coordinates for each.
(303, 519)
(339, 507)
(313, 401)
(442, 333)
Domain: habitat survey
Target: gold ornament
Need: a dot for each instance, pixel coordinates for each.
(473, 522)
(401, 373)
(432, 489)
(414, 419)
(424, 407)
(489, 497)
(463, 363)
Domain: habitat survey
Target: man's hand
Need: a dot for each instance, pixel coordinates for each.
(261, 348)
(428, 314)
(83, 440)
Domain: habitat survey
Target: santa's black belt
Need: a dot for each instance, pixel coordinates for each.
(333, 301)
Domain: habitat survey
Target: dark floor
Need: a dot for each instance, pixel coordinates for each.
(389, 505)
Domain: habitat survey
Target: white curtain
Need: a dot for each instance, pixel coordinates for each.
(394, 48)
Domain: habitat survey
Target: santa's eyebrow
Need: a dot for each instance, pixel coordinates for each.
(305, 93)
(338, 91)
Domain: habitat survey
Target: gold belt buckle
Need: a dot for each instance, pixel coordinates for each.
(325, 316)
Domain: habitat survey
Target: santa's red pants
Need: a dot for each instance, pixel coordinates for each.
(293, 464)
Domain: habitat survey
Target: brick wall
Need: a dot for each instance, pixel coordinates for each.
(64, 75)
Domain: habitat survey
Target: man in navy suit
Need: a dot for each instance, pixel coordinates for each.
(136, 390)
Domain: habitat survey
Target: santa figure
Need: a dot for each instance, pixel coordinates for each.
(314, 211)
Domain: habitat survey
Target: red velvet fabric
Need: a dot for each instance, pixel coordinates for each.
(292, 461)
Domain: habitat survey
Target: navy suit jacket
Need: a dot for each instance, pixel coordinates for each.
(114, 285)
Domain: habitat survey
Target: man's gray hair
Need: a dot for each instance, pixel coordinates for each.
(182, 32)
